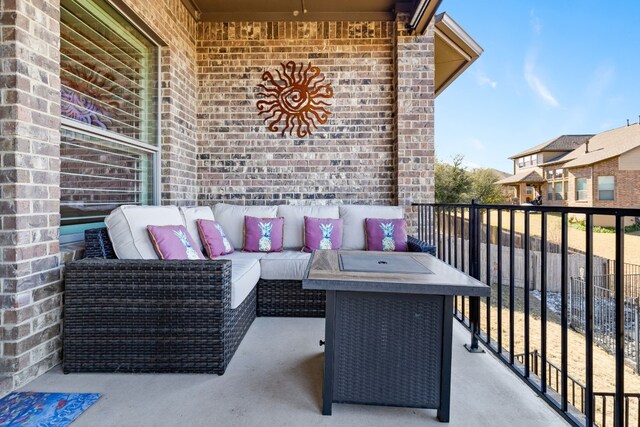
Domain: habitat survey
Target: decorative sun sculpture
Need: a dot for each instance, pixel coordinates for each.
(296, 100)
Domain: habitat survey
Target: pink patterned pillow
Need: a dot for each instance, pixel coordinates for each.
(322, 233)
(173, 242)
(263, 234)
(386, 234)
(213, 237)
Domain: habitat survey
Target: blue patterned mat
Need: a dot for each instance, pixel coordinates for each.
(44, 409)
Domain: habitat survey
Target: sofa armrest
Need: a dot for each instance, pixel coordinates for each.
(154, 280)
(416, 245)
(145, 315)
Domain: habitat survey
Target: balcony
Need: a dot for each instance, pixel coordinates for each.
(275, 378)
(563, 314)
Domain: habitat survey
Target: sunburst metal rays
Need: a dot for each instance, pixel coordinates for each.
(296, 100)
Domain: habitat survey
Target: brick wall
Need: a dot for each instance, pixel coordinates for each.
(355, 157)
(415, 73)
(30, 287)
(626, 182)
(30, 273)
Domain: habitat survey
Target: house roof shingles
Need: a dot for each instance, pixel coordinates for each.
(604, 146)
(527, 177)
(561, 143)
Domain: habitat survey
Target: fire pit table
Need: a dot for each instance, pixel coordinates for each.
(388, 327)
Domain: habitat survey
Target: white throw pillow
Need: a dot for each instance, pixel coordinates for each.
(294, 221)
(353, 236)
(127, 228)
(190, 214)
(231, 218)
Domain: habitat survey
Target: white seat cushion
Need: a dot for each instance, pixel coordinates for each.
(286, 265)
(245, 273)
(190, 214)
(243, 255)
(353, 237)
(231, 218)
(294, 221)
(127, 228)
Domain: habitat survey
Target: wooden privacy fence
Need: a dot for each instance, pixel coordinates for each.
(576, 263)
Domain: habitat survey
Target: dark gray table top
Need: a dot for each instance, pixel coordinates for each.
(326, 271)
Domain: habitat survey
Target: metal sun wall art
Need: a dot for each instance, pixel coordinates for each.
(296, 100)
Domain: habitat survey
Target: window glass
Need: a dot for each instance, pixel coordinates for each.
(581, 189)
(549, 174)
(558, 190)
(606, 188)
(98, 175)
(109, 95)
(550, 191)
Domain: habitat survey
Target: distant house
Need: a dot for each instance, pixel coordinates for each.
(528, 174)
(600, 170)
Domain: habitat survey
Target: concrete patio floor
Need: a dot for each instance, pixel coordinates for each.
(275, 379)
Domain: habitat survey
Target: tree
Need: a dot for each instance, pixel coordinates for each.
(452, 181)
(484, 187)
(455, 184)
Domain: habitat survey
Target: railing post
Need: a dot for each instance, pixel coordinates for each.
(474, 271)
(637, 337)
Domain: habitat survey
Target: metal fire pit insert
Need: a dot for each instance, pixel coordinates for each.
(381, 263)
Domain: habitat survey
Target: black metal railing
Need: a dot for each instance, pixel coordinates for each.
(603, 401)
(482, 241)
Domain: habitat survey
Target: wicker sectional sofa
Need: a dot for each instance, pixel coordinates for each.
(149, 315)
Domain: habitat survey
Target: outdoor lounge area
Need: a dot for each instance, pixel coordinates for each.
(276, 379)
(128, 127)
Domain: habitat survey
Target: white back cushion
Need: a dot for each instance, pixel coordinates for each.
(353, 236)
(231, 217)
(294, 221)
(190, 214)
(127, 228)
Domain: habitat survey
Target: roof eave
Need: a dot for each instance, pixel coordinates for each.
(422, 15)
(466, 49)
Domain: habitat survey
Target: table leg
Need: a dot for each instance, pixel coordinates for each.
(445, 378)
(329, 333)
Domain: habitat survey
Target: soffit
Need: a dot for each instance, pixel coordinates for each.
(283, 10)
(455, 51)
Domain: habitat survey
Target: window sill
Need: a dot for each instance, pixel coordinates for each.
(71, 251)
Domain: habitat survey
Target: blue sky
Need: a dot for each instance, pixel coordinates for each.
(548, 68)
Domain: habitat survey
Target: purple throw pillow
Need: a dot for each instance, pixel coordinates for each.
(322, 233)
(263, 234)
(173, 242)
(386, 234)
(214, 239)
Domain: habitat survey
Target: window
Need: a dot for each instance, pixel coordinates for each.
(109, 92)
(581, 189)
(550, 191)
(521, 162)
(606, 188)
(558, 190)
(549, 174)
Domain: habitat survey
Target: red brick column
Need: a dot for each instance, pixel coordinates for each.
(30, 287)
(415, 68)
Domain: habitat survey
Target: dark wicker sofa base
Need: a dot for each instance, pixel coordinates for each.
(150, 315)
(166, 316)
(286, 298)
